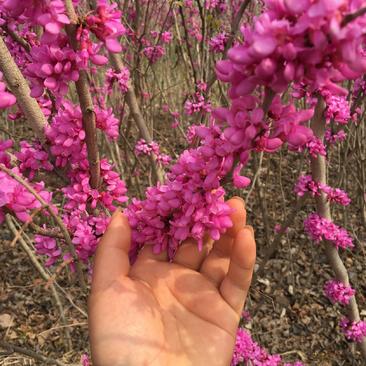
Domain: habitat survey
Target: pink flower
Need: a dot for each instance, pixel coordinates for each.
(166, 37)
(15, 197)
(121, 77)
(106, 121)
(6, 99)
(336, 291)
(353, 331)
(45, 245)
(217, 43)
(4, 156)
(105, 23)
(52, 67)
(32, 158)
(248, 351)
(154, 53)
(319, 229)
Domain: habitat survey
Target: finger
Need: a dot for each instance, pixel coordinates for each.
(111, 259)
(235, 286)
(216, 264)
(147, 252)
(189, 255)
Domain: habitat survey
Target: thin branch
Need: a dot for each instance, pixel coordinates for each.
(27, 352)
(318, 169)
(234, 30)
(58, 220)
(270, 252)
(351, 17)
(21, 41)
(133, 105)
(86, 103)
(20, 88)
(41, 231)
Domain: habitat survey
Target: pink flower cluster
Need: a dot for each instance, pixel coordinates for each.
(305, 184)
(154, 53)
(32, 158)
(48, 13)
(297, 41)
(190, 204)
(15, 197)
(67, 135)
(247, 351)
(334, 137)
(316, 147)
(337, 291)
(6, 99)
(107, 122)
(47, 246)
(318, 228)
(217, 43)
(197, 104)
(216, 4)
(338, 109)
(122, 78)
(165, 37)
(80, 194)
(4, 156)
(152, 148)
(105, 23)
(353, 331)
(52, 67)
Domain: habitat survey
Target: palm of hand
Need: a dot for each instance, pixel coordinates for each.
(161, 313)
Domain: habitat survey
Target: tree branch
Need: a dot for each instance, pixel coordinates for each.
(20, 88)
(24, 351)
(318, 170)
(133, 105)
(86, 103)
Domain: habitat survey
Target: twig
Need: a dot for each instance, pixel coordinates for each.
(181, 13)
(351, 17)
(24, 351)
(20, 88)
(21, 41)
(318, 169)
(41, 231)
(42, 272)
(234, 30)
(270, 252)
(132, 103)
(58, 220)
(86, 103)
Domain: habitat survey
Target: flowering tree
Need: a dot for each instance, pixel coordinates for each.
(85, 77)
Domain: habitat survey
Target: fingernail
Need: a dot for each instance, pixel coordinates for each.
(249, 228)
(239, 198)
(116, 212)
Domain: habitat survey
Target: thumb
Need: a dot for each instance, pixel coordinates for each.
(111, 259)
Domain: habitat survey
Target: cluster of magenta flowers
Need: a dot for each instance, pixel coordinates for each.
(6, 99)
(154, 48)
(247, 351)
(297, 41)
(319, 229)
(151, 149)
(338, 292)
(353, 331)
(306, 184)
(198, 103)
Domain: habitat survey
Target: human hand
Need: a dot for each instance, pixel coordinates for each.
(156, 312)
